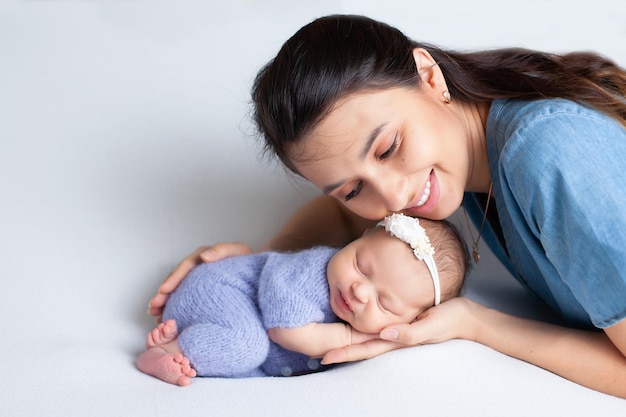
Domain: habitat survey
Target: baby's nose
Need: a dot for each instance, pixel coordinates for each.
(360, 292)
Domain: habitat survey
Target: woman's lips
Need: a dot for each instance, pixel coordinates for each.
(425, 195)
(427, 198)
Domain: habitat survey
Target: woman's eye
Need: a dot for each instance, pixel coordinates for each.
(355, 191)
(391, 149)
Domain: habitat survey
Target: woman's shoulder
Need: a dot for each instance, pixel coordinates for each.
(509, 117)
(547, 130)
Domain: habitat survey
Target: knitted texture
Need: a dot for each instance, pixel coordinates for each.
(223, 310)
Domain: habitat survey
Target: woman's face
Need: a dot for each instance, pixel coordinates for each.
(395, 150)
(377, 281)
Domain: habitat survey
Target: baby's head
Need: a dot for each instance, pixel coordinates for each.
(379, 279)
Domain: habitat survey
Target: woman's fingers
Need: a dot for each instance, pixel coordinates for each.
(451, 319)
(200, 255)
(155, 307)
(432, 326)
(224, 250)
(156, 304)
(360, 351)
(182, 269)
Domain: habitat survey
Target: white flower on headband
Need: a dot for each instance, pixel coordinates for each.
(408, 230)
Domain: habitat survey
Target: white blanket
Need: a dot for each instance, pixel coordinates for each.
(125, 144)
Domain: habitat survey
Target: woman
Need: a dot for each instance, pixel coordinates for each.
(533, 145)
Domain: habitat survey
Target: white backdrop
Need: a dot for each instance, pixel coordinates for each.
(125, 144)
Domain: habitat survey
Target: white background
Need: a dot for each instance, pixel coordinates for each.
(125, 143)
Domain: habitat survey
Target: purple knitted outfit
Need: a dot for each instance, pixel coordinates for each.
(223, 310)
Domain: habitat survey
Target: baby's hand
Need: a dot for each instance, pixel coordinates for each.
(361, 346)
(357, 337)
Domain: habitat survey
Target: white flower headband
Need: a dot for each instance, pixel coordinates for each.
(408, 230)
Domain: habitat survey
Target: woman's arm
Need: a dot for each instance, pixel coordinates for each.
(617, 334)
(322, 221)
(588, 358)
(315, 339)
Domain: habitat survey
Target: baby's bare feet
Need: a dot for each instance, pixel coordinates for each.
(162, 334)
(169, 367)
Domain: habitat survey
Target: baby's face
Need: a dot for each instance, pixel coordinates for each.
(377, 281)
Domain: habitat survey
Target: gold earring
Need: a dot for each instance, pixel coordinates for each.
(446, 96)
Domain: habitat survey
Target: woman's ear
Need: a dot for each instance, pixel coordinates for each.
(429, 71)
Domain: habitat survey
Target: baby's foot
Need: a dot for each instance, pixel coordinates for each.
(169, 367)
(162, 334)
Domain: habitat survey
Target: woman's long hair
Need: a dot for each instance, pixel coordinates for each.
(337, 55)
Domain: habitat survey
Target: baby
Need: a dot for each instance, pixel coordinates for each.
(269, 314)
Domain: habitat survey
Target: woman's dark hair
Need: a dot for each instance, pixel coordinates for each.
(337, 55)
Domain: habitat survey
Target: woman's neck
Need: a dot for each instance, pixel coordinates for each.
(475, 116)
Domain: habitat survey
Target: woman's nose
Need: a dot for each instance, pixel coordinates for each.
(393, 192)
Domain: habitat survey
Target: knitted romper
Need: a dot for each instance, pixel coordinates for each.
(223, 310)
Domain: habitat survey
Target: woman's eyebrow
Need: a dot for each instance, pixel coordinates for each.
(371, 138)
(330, 188)
(366, 149)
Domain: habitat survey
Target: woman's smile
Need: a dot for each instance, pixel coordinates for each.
(424, 196)
(428, 197)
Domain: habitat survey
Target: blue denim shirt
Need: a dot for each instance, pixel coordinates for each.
(559, 177)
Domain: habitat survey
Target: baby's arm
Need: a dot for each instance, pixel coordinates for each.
(315, 339)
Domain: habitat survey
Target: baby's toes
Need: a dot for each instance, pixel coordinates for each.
(183, 381)
(170, 330)
(150, 341)
(190, 372)
(186, 368)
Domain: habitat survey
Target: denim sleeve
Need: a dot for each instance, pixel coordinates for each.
(567, 174)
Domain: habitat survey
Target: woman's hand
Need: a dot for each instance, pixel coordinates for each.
(360, 351)
(589, 358)
(451, 319)
(200, 255)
